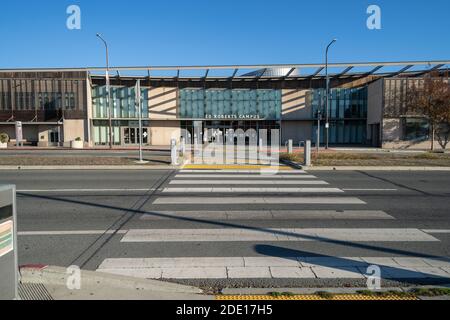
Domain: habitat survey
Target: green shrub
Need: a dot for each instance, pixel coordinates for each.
(325, 295)
(431, 292)
(4, 138)
(78, 139)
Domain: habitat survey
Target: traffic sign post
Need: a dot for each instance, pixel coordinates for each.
(9, 270)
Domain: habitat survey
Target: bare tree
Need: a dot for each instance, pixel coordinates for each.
(430, 97)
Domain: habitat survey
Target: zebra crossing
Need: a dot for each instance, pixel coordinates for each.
(245, 195)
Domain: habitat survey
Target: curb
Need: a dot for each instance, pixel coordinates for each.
(363, 168)
(58, 276)
(137, 167)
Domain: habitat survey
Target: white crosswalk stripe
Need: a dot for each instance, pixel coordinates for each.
(219, 195)
(247, 182)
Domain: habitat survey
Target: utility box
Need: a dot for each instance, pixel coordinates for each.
(9, 269)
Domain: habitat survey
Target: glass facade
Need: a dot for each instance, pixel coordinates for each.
(123, 103)
(232, 104)
(347, 115)
(416, 129)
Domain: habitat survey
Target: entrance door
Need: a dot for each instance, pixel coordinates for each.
(131, 136)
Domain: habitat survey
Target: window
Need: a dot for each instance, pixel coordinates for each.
(416, 129)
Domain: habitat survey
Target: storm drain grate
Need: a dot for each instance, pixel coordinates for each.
(34, 291)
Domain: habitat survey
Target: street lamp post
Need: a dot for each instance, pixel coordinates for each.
(327, 115)
(108, 91)
(139, 105)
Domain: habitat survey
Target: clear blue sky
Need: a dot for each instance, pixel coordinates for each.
(149, 32)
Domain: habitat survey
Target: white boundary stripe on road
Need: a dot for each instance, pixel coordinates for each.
(248, 182)
(370, 189)
(70, 233)
(246, 176)
(272, 215)
(262, 234)
(258, 200)
(252, 190)
(275, 267)
(84, 190)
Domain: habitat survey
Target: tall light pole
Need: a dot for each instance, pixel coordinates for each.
(108, 91)
(327, 121)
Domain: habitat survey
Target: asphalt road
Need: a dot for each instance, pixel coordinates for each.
(105, 218)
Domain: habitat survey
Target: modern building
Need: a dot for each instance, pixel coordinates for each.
(57, 106)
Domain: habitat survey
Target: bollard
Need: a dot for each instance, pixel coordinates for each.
(174, 152)
(308, 153)
(183, 146)
(290, 146)
(9, 271)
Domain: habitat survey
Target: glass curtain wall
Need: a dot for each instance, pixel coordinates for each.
(232, 104)
(123, 108)
(122, 102)
(347, 114)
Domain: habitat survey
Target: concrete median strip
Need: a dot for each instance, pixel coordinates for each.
(271, 268)
(274, 235)
(91, 280)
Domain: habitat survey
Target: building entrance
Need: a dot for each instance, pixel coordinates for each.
(221, 131)
(131, 136)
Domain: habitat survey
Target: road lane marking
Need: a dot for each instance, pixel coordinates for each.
(70, 233)
(253, 190)
(259, 200)
(83, 190)
(247, 182)
(261, 234)
(270, 215)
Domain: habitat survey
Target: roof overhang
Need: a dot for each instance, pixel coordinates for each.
(355, 70)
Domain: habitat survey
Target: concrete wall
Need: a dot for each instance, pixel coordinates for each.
(375, 102)
(296, 130)
(162, 131)
(294, 105)
(163, 103)
(72, 129)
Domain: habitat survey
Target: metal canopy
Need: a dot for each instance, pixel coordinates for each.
(258, 72)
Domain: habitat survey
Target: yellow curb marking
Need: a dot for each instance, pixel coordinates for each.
(304, 297)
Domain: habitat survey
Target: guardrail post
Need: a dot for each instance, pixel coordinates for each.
(9, 270)
(308, 153)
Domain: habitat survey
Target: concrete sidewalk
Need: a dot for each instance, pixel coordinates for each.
(50, 283)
